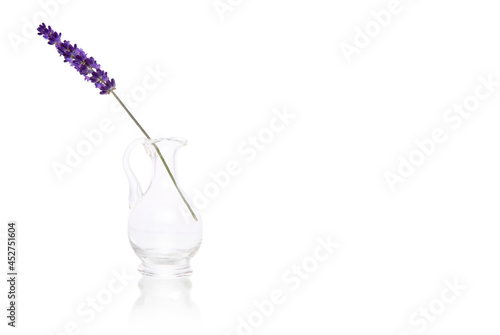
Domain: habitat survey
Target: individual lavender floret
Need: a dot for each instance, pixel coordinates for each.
(65, 49)
(108, 87)
(99, 77)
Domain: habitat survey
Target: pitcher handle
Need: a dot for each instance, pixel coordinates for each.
(136, 191)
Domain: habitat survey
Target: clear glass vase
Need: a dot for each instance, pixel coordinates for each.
(164, 232)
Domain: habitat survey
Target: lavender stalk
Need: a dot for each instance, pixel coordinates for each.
(91, 71)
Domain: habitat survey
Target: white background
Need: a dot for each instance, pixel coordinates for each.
(323, 175)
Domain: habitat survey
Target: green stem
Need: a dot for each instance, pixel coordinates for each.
(159, 154)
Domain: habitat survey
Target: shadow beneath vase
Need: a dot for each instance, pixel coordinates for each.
(164, 304)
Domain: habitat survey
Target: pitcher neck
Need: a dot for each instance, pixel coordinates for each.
(163, 152)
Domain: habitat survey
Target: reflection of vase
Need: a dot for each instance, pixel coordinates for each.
(164, 304)
(162, 230)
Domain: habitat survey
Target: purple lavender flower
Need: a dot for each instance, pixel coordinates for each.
(99, 77)
(65, 49)
(43, 30)
(108, 87)
(77, 58)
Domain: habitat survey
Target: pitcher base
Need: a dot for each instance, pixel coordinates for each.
(166, 271)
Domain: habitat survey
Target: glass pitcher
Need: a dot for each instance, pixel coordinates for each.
(164, 231)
